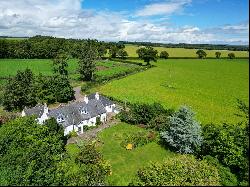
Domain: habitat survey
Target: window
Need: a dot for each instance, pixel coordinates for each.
(84, 111)
(60, 119)
(79, 129)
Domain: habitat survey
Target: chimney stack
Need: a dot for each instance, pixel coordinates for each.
(46, 109)
(86, 100)
(97, 96)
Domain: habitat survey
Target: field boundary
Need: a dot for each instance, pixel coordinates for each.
(85, 88)
(136, 58)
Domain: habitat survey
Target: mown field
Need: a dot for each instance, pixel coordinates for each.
(209, 86)
(9, 67)
(181, 52)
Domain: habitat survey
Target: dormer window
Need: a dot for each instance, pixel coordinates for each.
(84, 111)
(60, 119)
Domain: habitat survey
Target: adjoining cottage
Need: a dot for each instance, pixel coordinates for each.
(74, 116)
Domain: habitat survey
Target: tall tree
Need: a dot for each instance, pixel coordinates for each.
(102, 51)
(86, 62)
(3, 48)
(60, 63)
(29, 152)
(19, 92)
(147, 54)
(122, 53)
(62, 89)
(113, 51)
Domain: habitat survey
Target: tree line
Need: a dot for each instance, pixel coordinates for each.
(47, 47)
(191, 46)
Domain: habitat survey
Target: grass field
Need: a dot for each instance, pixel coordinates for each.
(124, 162)
(181, 52)
(9, 67)
(209, 86)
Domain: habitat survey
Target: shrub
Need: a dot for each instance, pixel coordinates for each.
(143, 113)
(226, 177)
(181, 170)
(72, 134)
(151, 136)
(127, 61)
(184, 133)
(230, 145)
(159, 123)
(138, 139)
(86, 87)
(6, 116)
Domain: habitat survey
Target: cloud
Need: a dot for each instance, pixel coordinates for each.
(165, 8)
(67, 18)
(241, 28)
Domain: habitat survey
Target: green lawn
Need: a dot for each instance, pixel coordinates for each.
(181, 52)
(124, 162)
(209, 86)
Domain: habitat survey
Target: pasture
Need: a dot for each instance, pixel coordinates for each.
(209, 86)
(9, 67)
(181, 52)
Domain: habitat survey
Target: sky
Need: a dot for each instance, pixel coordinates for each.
(160, 21)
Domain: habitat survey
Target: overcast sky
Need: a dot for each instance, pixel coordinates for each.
(167, 21)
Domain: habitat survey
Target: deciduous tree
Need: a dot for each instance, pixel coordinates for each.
(201, 53)
(231, 55)
(19, 92)
(147, 54)
(86, 62)
(217, 54)
(60, 63)
(164, 54)
(122, 53)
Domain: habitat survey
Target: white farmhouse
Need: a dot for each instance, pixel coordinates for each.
(75, 115)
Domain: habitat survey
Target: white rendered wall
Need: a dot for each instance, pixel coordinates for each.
(92, 121)
(43, 118)
(68, 129)
(110, 108)
(103, 117)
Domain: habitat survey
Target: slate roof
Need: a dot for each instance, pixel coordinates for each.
(37, 110)
(104, 100)
(71, 113)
